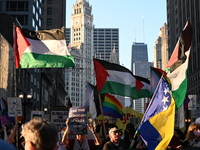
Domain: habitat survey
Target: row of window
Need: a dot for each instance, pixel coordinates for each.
(106, 36)
(16, 6)
(48, 22)
(106, 30)
(49, 11)
(48, 1)
(95, 33)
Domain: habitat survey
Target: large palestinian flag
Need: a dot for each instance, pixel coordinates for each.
(177, 67)
(115, 79)
(41, 49)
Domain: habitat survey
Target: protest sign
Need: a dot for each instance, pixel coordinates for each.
(78, 120)
(14, 107)
(59, 118)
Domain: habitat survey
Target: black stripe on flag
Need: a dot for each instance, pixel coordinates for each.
(52, 34)
(112, 66)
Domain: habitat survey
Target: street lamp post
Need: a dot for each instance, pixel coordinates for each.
(29, 96)
(187, 122)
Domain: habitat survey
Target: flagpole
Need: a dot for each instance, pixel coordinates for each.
(15, 82)
(104, 128)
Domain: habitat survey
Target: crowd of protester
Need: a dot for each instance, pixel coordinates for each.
(40, 134)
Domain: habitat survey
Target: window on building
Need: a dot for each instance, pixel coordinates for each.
(49, 21)
(0, 6)
(49, 1)
(17, 6)
(23, 19)
(42, 9)
(42, 22)
(49, 11)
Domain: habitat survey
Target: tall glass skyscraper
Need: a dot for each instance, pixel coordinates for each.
(139, 53)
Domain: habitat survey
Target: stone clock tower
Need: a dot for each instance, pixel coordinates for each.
(82, 50)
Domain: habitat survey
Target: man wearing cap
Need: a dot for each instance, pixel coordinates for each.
(115, 140)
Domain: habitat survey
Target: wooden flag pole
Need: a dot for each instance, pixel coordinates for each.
(104, 127)
(15, 85)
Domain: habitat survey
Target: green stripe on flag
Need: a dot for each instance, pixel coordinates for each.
(33, 60)
(179, 94)
(124, 90)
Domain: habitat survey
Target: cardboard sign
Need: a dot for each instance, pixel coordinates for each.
(59, 118)
(14, 106)
(78, 120)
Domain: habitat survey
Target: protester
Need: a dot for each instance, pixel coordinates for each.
(80, 142)
(141, 145)
(108, 126)
(39, 134)
(129, 133)
(115, 140)
(176, 142)
(11, 137)
(3, 133)
(193, 135)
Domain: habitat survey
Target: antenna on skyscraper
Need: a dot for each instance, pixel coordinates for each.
(134, 35)
(143, 28)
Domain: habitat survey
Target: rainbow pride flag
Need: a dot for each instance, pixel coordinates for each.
(112, 107)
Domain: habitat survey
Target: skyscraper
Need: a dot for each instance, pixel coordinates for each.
(161, 48)
(139, 67)
(139, 53)
(106, 43)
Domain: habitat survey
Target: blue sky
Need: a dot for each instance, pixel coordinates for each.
(137, 20)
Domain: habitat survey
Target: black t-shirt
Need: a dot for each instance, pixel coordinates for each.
(111, 146)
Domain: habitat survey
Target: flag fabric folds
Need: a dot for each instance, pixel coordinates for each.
(89, 103)
(89, 94)
(92, 101)
(4, 107)
(155, 75)
(41, 49)
(177, 67)
(157, 126)
(112, 107)
(115, 79)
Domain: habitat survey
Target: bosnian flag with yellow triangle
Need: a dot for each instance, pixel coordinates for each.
(177, 67)
(41, 49)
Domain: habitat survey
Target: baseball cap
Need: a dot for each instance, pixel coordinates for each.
(114, 130)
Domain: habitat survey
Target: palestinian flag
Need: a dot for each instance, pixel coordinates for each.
(177, 67)
(115, 79)
(41, 49)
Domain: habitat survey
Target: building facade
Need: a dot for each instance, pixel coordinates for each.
(81, 48)
(106, 44)
(53, 14)
(161, 55)
(178, 12)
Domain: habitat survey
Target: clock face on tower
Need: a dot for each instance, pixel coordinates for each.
(88, 22)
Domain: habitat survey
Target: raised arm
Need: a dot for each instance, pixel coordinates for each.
(65, 135)
(11, 138)
(98, 140)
